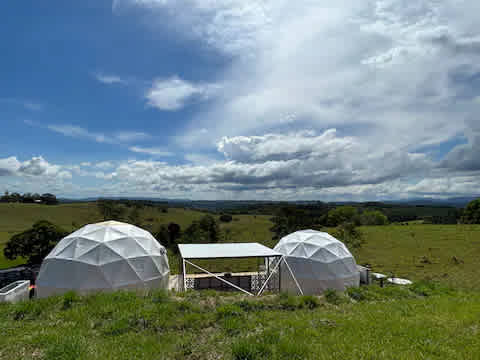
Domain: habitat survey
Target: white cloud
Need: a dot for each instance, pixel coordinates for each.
(27, 104)
(174, 93)
(150, 151)
(9, 166)
(114, 138)
(109, 79)
(35, 167)
(104, 165)
(388, 71)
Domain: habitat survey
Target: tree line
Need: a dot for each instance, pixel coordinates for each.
(29, 198)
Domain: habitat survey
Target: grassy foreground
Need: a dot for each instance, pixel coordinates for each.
(420, 322)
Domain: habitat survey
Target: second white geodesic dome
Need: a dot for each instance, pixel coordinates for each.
(318, 262)
(106, 256)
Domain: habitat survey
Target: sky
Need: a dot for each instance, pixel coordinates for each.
(241, 99)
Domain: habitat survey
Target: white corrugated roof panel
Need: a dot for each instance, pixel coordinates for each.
(225, 250)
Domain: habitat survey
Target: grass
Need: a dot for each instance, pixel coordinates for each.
(387, 323)
(447, 253)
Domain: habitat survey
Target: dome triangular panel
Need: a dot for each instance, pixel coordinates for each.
(104, 256)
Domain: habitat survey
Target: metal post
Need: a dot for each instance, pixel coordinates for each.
(280, 278)
(184, 275)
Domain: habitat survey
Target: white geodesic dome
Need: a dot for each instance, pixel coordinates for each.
(104, 256)
(318, 262)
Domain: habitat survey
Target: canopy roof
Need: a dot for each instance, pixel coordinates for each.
(225, 250)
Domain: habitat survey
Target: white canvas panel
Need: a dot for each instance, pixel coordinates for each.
(225, 250)
(145, 267)
(120, 273)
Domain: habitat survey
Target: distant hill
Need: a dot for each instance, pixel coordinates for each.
(219, 205)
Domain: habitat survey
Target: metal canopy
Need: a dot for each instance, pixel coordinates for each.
(225, 250)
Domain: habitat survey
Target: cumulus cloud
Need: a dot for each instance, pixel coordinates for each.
(9, 166)
(273, 163)
(35, 167)
(174, 93)
(392, 72)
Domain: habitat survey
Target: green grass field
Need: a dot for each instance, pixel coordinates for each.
(420, 322)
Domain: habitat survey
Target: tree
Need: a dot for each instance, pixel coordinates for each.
(349, 235)
(291, 219)
(342, 214)
(35, 243)
(205, 230)
(373, 217)
(226, 218)
(134, 216)
(210, 226)
(49, 199)
(471, 214)
(111, 210)
(174, 232)
(162, 236)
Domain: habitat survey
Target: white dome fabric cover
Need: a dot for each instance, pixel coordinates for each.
(318, 261)
(104, 256)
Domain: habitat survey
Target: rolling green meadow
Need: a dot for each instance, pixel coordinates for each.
(438, 317)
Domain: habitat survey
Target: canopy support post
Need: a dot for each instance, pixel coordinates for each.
(184, 277)
(269, 276)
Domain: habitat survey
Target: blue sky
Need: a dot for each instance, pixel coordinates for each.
(252, 99)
